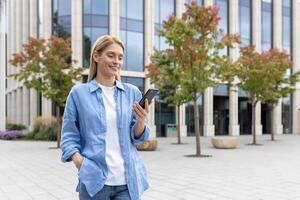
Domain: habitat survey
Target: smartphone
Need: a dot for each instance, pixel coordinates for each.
(148, 95)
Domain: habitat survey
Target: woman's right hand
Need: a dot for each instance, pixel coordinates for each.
(77, 159)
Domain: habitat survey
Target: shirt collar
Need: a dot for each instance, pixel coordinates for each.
(93, 85)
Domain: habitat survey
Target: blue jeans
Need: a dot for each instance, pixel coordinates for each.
(106, 193)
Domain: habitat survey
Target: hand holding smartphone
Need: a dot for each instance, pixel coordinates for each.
(150, 94)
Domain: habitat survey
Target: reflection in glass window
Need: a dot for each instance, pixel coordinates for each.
(163, 9)
(266, 25)
(189, 117)
(245, 21)
(287, 114)
(138, 82)
(95, 24)
(286, 25)
(61, 23)
(199, 2)
(132, 33)
(223, 13)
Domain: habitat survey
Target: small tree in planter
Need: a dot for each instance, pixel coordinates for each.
(263, 77)
(195, 43)
(46, 66)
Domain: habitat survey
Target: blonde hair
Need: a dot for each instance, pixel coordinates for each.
(99, 46)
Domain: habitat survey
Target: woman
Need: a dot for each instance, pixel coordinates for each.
(102, 124)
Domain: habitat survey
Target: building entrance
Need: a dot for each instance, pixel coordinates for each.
(221, 115)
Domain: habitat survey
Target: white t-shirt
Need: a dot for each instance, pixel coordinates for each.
(114, 159)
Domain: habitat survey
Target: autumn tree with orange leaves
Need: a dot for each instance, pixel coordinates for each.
(46, 66)
(193, 62)
(263, 76)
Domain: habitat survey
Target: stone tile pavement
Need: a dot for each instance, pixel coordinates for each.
(30, 170)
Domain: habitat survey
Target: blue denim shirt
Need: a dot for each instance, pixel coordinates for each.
(84, 130)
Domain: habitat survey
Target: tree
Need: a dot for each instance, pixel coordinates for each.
(164, 73)
(263, 77)
(46, 66)
(195, 42)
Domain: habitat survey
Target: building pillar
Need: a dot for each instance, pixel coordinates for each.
(149, 34)
(208, 126)
(276, 113)
(14, 106)
(33, 32)
(256, 37)
(296, 66)
(114, 17)
(25, 30)
(9, 107)
(2, 68)
(77, 33)
(234, 128)
(47, 32)
(208, 3)
(182, 125)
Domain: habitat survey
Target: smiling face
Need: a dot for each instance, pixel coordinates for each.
(109, 61)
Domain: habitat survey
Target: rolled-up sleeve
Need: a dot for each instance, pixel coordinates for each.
(70, 136)
(146, 132)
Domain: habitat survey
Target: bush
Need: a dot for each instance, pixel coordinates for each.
(44, 128)
(15, 127)
(9, 135)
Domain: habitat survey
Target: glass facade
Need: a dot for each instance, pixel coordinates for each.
(163, 9)
(189, 117)
(199, 2)
(223, 25)
(61, 14)
(132, 33)
(138, 82)
(164, 114)
(266, 24)
(286, 46)
(245, 21)
(286, 25)
(95, 24)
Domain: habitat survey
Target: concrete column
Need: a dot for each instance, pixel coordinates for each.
(13, 39)
(14, 106)
(182, 126)
(25, 30)
(77, 33)
(114, 17)
(296, 66)
(33, 30)
(208, 3)
(276, 118)
(33, 14)
(9, 107)
(149, 37)
(209, 127)
(47, 32)
(234, 128)
(256, 37)
(2, 69)
(179, 8)
(19, 110)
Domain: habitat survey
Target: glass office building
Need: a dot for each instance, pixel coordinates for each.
(264, 23)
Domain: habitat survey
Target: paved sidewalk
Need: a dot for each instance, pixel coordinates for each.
(30, 170)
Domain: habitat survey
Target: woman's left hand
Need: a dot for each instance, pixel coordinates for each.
(140, 112)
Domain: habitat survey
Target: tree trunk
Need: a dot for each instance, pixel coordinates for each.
(253, 122)
(178, 125)
(58, 125)
(197, 129)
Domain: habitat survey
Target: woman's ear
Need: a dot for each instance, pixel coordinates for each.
(95, 57)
